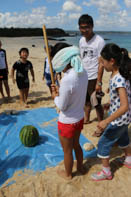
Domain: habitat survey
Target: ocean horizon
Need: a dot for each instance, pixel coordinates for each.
(123, 39)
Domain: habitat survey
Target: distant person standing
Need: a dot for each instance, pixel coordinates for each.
(3, 73)
(22, 67)
(46, 73)
(90, 46)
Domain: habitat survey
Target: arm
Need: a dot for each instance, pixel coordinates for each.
(12, 75)
(32, 74)
(123, 108)
(99, 77)
(44, 69)
(62, 100)
(100, 67)
(6, 63)
(58, 75)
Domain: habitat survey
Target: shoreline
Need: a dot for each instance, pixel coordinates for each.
(51, 40)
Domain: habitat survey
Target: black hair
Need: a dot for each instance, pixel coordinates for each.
(57, 47)
(23, 49)
(86, 19)
(49, 46)
(121, 57)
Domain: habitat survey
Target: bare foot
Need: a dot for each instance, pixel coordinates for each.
(9, 99)
(62, 174)
(4, 100)
(87, 122)
(81, 170)
(22, 103)
(27, 106)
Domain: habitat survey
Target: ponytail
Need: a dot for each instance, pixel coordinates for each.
(121, 57)
(125, 64)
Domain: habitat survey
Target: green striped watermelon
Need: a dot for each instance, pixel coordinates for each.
(29, 135)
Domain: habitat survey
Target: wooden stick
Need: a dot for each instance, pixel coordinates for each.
(48, 54)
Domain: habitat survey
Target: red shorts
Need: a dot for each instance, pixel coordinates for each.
(68, 130)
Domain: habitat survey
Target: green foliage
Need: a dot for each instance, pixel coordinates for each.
(25, 32)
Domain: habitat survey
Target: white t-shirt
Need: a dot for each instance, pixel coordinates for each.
(90, 51)
(116, 82)
(72, 95)
(2, 59)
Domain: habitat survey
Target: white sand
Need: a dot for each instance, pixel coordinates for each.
(48, 183)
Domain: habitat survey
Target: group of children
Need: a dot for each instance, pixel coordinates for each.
(22, 67)
(83, 69)
(82, 76)
(70, 99)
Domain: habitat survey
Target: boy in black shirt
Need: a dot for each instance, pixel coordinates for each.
(22, 67)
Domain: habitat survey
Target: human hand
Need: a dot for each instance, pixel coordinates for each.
(98, 88)
(58, 77)
(54, 90)
(102, 125)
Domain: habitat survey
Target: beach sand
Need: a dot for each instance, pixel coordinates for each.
(48, 183)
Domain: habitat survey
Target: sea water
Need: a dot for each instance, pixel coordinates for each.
(123, 39)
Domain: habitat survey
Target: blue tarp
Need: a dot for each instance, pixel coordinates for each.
(14, 156)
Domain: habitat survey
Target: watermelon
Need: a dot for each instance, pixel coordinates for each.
(29, 135)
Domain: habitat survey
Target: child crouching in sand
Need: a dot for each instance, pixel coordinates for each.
(22, 67)
(70, 100)
(115, 127)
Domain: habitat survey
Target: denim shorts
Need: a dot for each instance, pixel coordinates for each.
(111, 135)
(48, 79)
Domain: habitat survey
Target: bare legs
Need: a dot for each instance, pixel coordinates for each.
(68, 144)
(7, 88)
(127, 151)
(23, 96)
(5, 82)
(99, 108)
(105, 162)
(1, 90)
(99, 113)
(87, 110)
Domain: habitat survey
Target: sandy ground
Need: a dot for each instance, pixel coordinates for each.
(48, 183)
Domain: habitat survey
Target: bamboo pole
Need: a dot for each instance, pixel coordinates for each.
(48, 54)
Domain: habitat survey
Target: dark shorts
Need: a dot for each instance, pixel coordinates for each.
(68, 130)
(3, 74)
(22, 83)
(90, 90)
(48, 79)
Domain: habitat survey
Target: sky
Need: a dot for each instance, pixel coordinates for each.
(108, 15)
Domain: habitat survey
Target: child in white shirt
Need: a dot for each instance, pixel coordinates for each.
(70, 99)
